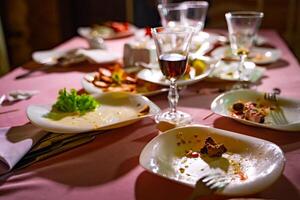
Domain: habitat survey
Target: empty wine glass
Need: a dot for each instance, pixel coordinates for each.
(188, 13)
(195, 14)
(242, 28)
(172, 47)
(171, 14)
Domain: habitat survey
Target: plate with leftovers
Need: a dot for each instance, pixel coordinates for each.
(73, 113)
(197, 69)
(258, 55)
(73, 56)
(114, 78)
(107, 30)
(228, 71)
(188, 153)
(252, 108)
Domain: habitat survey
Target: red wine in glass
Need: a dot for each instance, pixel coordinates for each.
(172, 65)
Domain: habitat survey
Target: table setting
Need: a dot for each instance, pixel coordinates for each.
(170, 112)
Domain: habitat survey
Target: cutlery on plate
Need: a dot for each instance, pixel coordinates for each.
(210, 183)
(276, 114)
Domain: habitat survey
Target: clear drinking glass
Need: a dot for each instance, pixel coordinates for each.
(172, 47)
(242, 28)
(195, 14)
(188, 13)
(171, 14)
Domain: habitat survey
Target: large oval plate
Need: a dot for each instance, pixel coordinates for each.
(92, 89)
(286, 117)
(115, 110)
(260, 160)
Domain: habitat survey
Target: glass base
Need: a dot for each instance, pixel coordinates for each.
(179, 118)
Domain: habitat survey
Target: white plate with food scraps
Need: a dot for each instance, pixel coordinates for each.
(251, 164)
(155, 75)
(116, 110)
(258, 55)
(105, 32)
(148, 89)
(256, 111)
(73, 56)
(228, 71)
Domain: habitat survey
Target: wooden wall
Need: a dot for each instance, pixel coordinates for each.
(31, 25)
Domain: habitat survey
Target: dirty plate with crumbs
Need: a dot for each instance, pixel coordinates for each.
(250, 163)
(117, 109)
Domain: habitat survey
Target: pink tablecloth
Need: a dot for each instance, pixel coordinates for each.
(108, 167)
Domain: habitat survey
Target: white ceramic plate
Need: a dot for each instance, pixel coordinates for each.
(155, 75)
(289, 109)
(228, 71)
(86, 33)
(205, 41)
(115, 110)
(92, 89)
(260, 161)
(95, 55)
(258, 55)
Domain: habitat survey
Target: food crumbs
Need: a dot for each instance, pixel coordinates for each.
(181, 170)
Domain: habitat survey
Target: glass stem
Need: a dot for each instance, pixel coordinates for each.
(241, 67)
(173, 96)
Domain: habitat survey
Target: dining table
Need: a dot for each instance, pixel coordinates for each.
(108, 167)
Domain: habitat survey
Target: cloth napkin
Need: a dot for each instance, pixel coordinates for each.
(98, 55)
(15, 142)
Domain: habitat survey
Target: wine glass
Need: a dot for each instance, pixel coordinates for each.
(172, 14)
(242, 28)
(188, 13)
(195, 14)
(172, 47)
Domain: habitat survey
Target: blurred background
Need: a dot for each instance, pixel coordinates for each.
(30, 25)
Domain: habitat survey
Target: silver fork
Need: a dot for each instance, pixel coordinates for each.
(277, 115)
(209, 184)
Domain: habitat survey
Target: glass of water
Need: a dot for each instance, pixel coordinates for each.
(242, 28)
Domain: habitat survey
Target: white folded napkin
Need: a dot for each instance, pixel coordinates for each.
(98, 55)
(15, 142)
